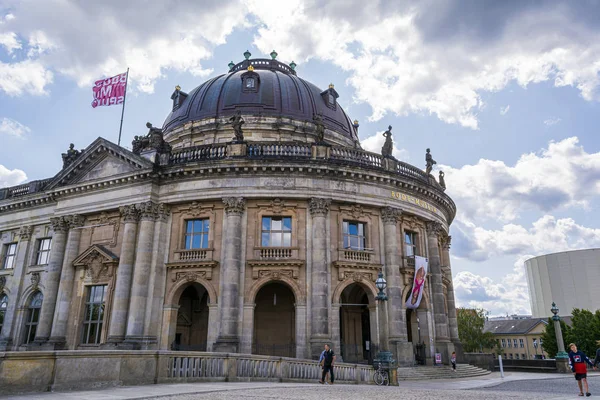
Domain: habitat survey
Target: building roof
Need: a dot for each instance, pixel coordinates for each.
(513, 326)
(276, 92)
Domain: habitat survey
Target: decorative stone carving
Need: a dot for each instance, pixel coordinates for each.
(75, 221)
(234, 205)
(25, 232)
(319, 206)
(59, 224)
(358, 276)
(357, 211)
(163, 212)
(35, 280)
(434, 228)
(445, 241)
(236, 122)
(442, 180)
(411, 223)
(276, 273)
(152, 141)
(2, 283)
(429, 162)
(390, 215)
(96, 269)
(319, 128)
(129, 213)
(148, 210)
(277, 206)
(70, 156)
(388, 146)
(189, 276)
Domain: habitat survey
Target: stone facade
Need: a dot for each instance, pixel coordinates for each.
(269, 247)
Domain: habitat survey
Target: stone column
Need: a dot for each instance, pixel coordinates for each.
(319, 209)
(301, 331)
(60, 226)
(228, 340)
(399, 346)
(134, 338)
(65, 289)
(13, 283)
(118, 315)
(445, 241)
(247, 329)
(442, 337)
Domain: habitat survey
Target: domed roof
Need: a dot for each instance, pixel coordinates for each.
(260, 87)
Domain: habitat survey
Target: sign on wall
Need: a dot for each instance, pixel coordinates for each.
(421, 264)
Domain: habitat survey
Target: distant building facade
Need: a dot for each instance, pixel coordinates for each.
(251, 222)
(570, 279)
(519, 339)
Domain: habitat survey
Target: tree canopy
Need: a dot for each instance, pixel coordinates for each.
(470, 330)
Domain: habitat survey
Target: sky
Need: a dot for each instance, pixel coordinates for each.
(506, 95)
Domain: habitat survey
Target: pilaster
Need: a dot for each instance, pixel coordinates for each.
(434, 229)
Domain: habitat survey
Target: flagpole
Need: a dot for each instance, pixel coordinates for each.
(123, 110)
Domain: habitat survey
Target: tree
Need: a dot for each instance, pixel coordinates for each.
(548, 338)
(470, 330)
(585, 330)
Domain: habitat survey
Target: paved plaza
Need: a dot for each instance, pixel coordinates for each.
(513, 386)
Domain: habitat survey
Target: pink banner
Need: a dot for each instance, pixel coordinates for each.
(110, 91)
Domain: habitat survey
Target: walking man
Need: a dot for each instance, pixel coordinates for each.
(327, 364)
(577, 361)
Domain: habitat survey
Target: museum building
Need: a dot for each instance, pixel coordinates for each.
(251, 222)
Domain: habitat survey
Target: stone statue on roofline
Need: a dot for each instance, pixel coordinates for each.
(429, 162)
(319, 128)
(70, 156)
(388, 146)
(153, 140)
(442, 180)
(236, 122)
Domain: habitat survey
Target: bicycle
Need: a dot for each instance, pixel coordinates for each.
(381, 377)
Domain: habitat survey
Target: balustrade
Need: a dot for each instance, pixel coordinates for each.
(192, 255)
(199, 153)
(357, 255)
(275, 252)
(277, 149)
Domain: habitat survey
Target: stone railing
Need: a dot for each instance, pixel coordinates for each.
(360, 157)
(275, 252)
(193, 255)
(277, 150)
(199, 153)
(36, 371)
(24, 189)
(357, 255)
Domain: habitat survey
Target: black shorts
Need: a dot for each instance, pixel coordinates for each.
(580, 376)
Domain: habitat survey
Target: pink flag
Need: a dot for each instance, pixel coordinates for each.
(110, 91)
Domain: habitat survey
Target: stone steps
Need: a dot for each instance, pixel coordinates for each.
(441, 372)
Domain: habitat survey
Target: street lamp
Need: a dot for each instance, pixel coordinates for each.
(381, 284)
(384, 356)
(557, 330)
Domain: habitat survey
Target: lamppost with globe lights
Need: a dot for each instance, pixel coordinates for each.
(561, 356)
(384, 356)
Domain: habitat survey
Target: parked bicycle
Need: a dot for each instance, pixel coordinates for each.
(381, 376)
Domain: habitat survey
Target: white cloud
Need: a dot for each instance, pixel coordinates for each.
(13, 128)
(24, 77)
(399, 64)
(10, 177)
(9, 41)
(561, 175)
(375, 143)
(551, 121)
(504, 110)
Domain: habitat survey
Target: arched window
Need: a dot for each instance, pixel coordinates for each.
(3, 306)
(33, 316)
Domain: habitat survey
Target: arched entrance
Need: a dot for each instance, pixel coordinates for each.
(355, 325)
(274, 321)
(192, 319)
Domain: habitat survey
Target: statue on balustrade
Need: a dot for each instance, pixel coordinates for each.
(70, 156)
(429, 162)
(442, 181)
(388, 146)
(236, 122)
(319, 128)
(152, 140)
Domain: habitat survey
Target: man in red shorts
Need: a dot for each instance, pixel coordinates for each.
(577, 361)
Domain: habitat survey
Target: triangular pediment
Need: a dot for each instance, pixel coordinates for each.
(96, 253)
(100, 161)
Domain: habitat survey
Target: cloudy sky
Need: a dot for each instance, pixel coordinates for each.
(506, 94)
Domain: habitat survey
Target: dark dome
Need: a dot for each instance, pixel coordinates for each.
(278, 92)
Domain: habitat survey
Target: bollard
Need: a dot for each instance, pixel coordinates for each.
(501, 368)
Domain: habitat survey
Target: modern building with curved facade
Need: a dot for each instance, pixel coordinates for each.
(252, 222)
(569, 278)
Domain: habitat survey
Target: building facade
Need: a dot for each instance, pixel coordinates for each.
(251, 222)
(570, 279)
(519, 339)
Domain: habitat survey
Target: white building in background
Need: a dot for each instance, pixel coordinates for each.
(571, 279)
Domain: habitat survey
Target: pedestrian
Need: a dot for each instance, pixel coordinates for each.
(328, 361)
(597, 359)
(321, 357)
(453, 361)
(577, 361)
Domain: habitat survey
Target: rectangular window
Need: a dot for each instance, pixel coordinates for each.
(515, 343)
(503, 343)
(354, 235)
(523, 356)
(94, 315)
(43, 252)
(196, 234)
(521, 343)
(10, 253)
(510, 356)
(276, 232)
(410, 243)
(509, 342)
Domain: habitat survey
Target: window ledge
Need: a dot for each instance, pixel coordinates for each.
(37, 268)
(7, 272)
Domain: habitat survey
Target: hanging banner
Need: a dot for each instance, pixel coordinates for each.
(421, 264)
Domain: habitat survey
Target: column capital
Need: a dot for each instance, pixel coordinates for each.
(445, 241)
(319, 206)
(59, 224)
(75, 221)
(434, 228)
(148, 210)
(25, 232)
(234, 205)
(390, 215)
(163, 212)
(129, 213)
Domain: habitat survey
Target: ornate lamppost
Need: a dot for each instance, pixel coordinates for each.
(561, 356)
(384, 357)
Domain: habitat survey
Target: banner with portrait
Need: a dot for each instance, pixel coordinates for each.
(421, 265)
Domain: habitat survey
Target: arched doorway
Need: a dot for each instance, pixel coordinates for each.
(192, 319)
(274, 321)
(355, 325)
